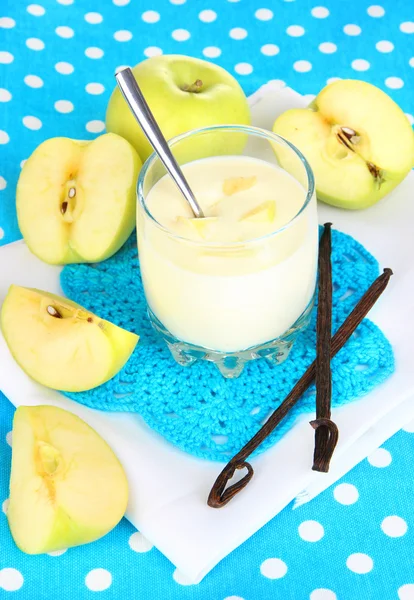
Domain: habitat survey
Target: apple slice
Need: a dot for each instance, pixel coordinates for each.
(67, 487)
(195, 228)
(263, 213)
(357, 140)
(238, 184)
(76, 200)
(60, 344)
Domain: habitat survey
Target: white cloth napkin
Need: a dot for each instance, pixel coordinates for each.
(168, 488)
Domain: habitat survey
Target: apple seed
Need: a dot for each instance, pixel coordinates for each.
(53, 312)
(64, 207)
(72, 192)
(348, 132)
(375, 172)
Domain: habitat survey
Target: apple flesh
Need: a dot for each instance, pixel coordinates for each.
(358, 142)
(183, 93)
(67, 487)
(76, 200)
(60, 344)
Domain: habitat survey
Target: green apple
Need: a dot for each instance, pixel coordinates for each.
(67, 487)
(76, 200)
(60, 344)
(183, 93)
(357, 140)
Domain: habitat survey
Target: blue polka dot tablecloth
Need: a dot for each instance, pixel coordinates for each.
(57, 64)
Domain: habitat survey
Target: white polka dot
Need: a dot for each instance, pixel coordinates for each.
(322, 594)
(360, 64)
(98, 580)
(333, 79)
(5, 505)
(394, 526)
(4, 138)
(384, 46)
(95, 126)
(95, 88)
(395, 83)
(139, 543)
(121, 2)
(327, 47)
(1, 233)
(346, 493)
(6, 58)
(178, 1)
(65, 2)
(33, 81)
(3, 183)
(295, 30)
(352, 29)
(63, 106)
(7, 22)
(359, 563)
(5, 95)
(64, 32)
(263, 14)
(152, 51)
(409, 428)
(32, 123)
(302, 66)
(207, 16)
(123, 35)
(410, 118)
(22, 163)
(375, 11)
(9, 438)
(233, 598)
(407, 27)
(270, 49)
(36, 10)
(180, 35)
(64, 68)
(93, 18)
(406, 592)
(121, 68)
(273, 568)
(212, 52)
(181, 578)
(11, 579)
(57, 552)
(380, 458)
(311, 531)
(238, 33)
(243, 68)
(94, 52)
(320, 12)
(35, 44)
(150, 16)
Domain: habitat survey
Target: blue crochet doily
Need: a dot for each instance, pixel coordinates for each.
(197, 409)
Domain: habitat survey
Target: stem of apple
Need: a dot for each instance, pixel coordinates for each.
(195, 87)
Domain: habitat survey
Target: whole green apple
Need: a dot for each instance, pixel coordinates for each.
(357, 140)
(183, 93)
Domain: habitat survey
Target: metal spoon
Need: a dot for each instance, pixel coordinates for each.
(141, 111)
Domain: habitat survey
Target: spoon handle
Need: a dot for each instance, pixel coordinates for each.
(141, 111)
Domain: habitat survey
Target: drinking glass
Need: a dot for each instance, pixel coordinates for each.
(233, 302)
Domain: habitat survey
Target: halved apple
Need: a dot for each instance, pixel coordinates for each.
(67, 487)
(60, 344)
(76, 200)
(357, 140)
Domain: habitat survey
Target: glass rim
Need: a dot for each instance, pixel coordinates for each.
(248, 129)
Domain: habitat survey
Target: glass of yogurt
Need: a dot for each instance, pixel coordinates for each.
(239, 284)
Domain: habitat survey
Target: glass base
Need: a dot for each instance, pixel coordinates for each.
(231, 364)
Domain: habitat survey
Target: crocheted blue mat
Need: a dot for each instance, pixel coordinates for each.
(197, 409)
